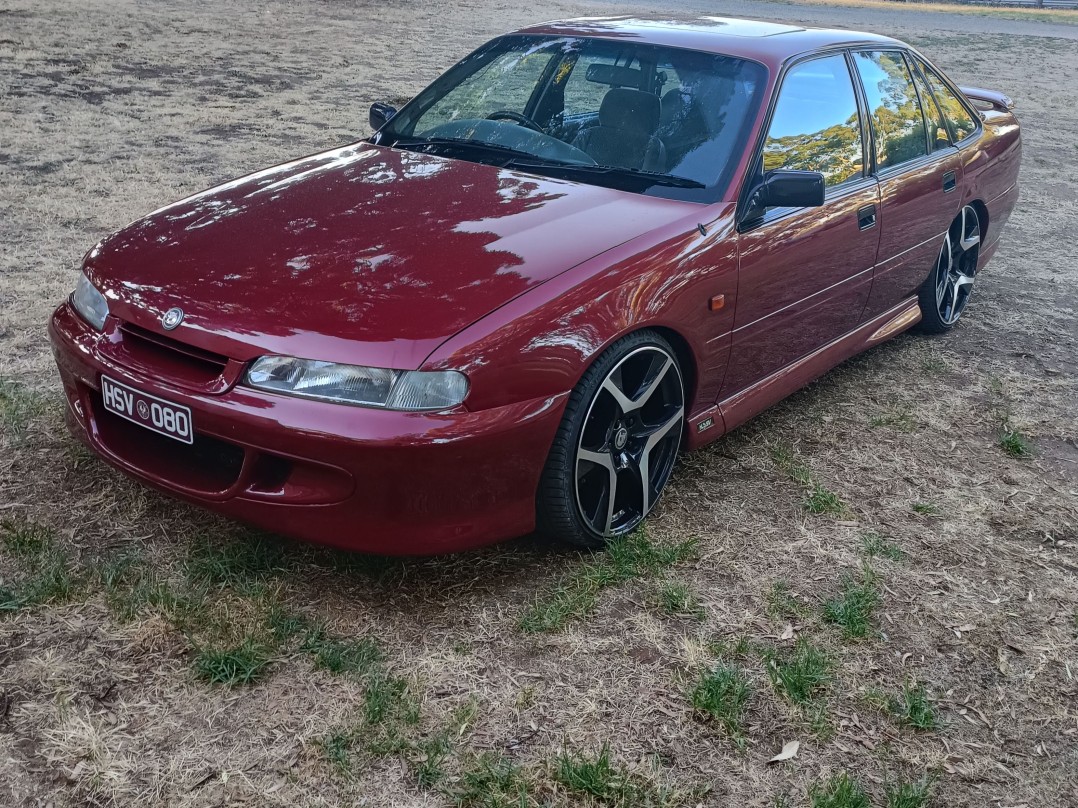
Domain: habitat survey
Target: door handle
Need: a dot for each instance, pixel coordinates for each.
(949, 182)
(866, 217)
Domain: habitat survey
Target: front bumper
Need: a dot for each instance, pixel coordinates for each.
(357, 478)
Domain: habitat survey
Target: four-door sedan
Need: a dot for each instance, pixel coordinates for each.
(587, 246)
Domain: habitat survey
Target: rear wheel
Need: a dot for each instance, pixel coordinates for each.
(617, 443)
(946, 291)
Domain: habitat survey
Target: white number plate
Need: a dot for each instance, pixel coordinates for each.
(148, 411)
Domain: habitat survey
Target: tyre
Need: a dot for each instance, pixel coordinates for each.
(945, 293)
(617, 443)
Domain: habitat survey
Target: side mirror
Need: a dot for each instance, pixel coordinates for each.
(380, 115)
(785, 188)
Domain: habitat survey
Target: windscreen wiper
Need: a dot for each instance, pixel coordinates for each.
(460, 144)
(576, 169)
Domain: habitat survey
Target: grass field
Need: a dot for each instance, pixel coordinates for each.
(882, 569)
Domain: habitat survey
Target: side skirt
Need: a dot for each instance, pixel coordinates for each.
(740, 407)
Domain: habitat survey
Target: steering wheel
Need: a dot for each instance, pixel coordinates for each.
(515, 117)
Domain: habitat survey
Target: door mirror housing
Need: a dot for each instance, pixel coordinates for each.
(380, 115)
(785, 188)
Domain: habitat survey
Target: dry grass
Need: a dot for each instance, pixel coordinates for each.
(414, 683)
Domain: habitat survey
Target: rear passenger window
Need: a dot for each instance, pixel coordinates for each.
(937, 129)
(892, 103)
(954, 111)
(815, 126)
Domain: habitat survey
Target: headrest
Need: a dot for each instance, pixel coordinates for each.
(636, 110)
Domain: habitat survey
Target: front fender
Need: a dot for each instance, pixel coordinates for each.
(541, 343)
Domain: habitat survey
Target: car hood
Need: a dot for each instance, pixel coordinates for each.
(364, 254)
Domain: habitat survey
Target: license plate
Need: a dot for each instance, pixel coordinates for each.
(151, 412)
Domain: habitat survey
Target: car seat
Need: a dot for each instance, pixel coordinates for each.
(625, 136)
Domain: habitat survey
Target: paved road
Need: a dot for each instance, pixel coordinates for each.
(881, 20)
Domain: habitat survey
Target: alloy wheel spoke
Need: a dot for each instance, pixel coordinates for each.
(623, 401)
(653, 385)
(971, 239)
(629, 404)
(956, 288)
(645, 458)
(944, 272)
(606, 461)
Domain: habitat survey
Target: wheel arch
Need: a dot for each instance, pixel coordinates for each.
(982, 214)
(685, 356)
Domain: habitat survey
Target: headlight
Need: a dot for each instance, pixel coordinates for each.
(350, 384)
(90, 303)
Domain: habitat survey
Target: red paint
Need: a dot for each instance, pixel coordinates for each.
(374, 256)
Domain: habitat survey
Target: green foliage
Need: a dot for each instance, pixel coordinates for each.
(242, 564)
(49, 574)
(54, 581)
(876, 545)
(610, 783)
(738, 648)
(722, 693)
(820, 501)
(838, 792)
(19, 406)
(1014, 443)
(900, 418)
(782, 603)
(677, 599)
(492, 781)
(388, 698)
(926, 508)
(632, 556)
(801, 674)
(913, 708)
(933, 364)
(783, 457)
(337, 747)
(243, 664)
(356, 657)
(10, 601)
(285, 624)
(909, 795)
(851, 610)
(25, 540)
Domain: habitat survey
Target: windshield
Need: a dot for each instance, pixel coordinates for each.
(662, 121)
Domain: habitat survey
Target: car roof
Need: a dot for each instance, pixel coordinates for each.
(768, 42)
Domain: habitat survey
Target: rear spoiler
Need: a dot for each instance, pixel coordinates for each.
(999, 101)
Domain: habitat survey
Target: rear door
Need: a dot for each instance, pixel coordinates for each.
(805, 273)
(919, 172)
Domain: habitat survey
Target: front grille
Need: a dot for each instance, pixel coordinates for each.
(170, 357)
(207, 465)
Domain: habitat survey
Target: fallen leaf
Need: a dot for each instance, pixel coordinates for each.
(789, 750)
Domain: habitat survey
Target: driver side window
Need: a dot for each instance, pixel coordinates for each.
(815, 126)
(506, 83)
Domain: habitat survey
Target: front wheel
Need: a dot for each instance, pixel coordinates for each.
(946, 291)
(617, 443)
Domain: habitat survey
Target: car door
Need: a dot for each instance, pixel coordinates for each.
(919, 171)
(805, 274)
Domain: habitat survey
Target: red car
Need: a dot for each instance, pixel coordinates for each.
(588, 245)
